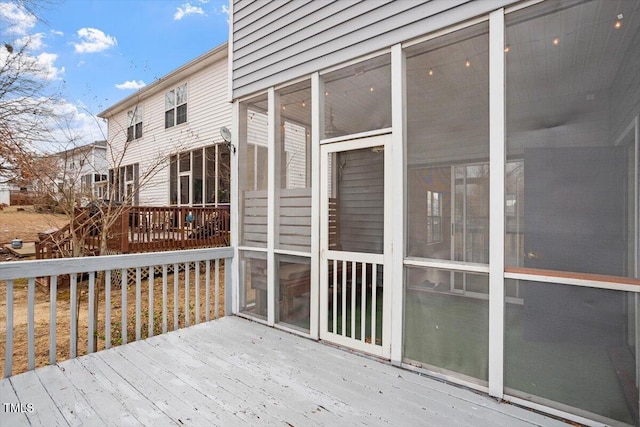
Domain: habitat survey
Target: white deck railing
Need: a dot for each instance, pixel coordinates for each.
(123, 271)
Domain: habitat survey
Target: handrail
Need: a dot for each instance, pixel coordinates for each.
(192, 270)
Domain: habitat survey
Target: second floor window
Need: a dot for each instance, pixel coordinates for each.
(175, 106)
(134, 128)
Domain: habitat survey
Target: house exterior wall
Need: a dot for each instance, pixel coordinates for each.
(207, 111)
(274, 42)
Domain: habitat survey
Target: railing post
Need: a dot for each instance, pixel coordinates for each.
(124, 231)
(8, 350)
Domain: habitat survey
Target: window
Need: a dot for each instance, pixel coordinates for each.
(175, 106)
(200, 177)
(134, 129)
(434, 217)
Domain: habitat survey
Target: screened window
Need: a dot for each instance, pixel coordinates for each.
(124, 183)
(200, 177)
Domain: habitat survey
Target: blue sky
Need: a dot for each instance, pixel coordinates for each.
(101, 51)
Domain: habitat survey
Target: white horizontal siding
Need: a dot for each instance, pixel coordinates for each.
(207, 111)
(271, 47)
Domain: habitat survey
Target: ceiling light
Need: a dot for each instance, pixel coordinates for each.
(507, 48)
(371, 89)
(556, 41)
(304, 104)
(430, 72)
(467, 64)
(617, 25)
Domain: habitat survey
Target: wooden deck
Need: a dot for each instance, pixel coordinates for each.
(236, 372)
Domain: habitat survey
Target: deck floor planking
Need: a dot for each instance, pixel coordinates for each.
(236, 372)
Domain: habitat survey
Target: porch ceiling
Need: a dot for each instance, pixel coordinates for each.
(236, 372)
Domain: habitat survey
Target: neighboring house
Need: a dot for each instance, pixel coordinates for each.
(83, 168)
(465, 202)
(166, 148)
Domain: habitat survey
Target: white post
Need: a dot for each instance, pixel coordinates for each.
(397, 172)
(317, 124)
(496, 202)
(273, 133)
(232, 266)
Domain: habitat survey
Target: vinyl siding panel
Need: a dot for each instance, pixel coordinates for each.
(270, 47)
(207, 111)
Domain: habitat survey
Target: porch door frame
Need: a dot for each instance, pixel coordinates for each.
(356, 142)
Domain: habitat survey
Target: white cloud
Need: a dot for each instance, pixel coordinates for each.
(33, 42)
(93, 40)
(77, 127)
(48, 70)
(41, 66)
(57, 32)
(131, 84)
(187, 9)
(225, 9)
(17, 19)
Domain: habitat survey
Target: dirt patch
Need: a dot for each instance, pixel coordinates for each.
(25, 223)
(63, 316)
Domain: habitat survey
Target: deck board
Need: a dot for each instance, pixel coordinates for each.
(233, 371)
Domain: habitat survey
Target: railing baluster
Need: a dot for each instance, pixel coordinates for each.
(8, 350)
(123, 283)
(196, 272)
(92, 296)
(207, 285)
(138, 303)
(151, 304)
(374, 289)
(216, 290)
(164, 298)
(344, 298)
(31, 332)
(176, 297)
(107, 309)
(186, 294)
(53, 298)
(363, 303)
(73, 303)
(353, 299)
(335, 297)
